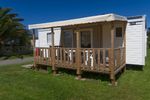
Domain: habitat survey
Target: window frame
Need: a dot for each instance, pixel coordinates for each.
(120, 33)
(49, 34)
(87, 29)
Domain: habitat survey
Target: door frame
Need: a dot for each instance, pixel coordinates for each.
(86, 29)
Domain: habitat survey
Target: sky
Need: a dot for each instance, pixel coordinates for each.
(40, 11)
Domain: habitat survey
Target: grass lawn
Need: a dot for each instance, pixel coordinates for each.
(17, 83)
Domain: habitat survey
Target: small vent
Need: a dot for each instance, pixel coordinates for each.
(132, 23)
(135, 23)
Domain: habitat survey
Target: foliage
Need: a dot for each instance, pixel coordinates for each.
(148, 39)
(11, 28)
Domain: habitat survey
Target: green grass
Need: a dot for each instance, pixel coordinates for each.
(17, 83)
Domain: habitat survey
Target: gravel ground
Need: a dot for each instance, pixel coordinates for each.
(16, 61)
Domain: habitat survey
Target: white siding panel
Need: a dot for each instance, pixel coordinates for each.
(42, 37)
(37, 43)
(135, 47)
(57, 35)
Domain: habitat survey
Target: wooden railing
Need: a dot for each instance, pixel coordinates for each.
(88, 59)
(119, 56)
(94, 59)
(43, 56)
(65, 57)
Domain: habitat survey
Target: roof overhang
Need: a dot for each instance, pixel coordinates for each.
(84, 20)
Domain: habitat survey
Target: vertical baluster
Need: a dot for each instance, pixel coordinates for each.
(37, 55)
(71, 57)
(110, 58)
(44, 60)
(50, 52)
(99, 58)
(61, 55)
(55, 53)
(46, 55)
(49, 56)
(88, 50)
(81, 54)
(68, 56)
(124, 55)
(58, 55)
(40, 55)
(64, 57)
(122, 52)
(43, 56)
(120, 58)
(94, 65)
(116, 58)
(84, 58)
(104, 58)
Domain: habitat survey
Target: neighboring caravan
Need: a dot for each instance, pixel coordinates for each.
(136, 40)
(95, 44)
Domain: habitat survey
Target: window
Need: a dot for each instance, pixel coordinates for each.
(68, 38)
(49, 37)
(119, 32)
(85, 39)
(35, 32)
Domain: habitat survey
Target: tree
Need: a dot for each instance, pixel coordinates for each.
(11, 27)
(148, 37)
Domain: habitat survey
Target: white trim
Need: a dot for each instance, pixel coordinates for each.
(84, 20)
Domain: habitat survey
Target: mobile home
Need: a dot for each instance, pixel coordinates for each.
(95, 44)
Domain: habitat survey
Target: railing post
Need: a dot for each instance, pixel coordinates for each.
(53, 52)
(34, 49)
(78, 58)
(112, 64)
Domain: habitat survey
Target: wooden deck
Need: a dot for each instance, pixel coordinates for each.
(84, 59)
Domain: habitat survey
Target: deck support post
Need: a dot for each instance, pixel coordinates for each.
(53, 52)
(112, 60)
(34, 49)
(78, 59)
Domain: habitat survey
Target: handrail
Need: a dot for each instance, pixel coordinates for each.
(91, 59)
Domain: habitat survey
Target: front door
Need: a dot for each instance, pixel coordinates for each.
(85, 39)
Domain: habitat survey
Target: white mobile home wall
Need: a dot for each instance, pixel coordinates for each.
(136, 40)
(41, 41)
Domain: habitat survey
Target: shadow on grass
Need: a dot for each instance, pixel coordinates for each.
(96, 76)
(86, 75)
(134, 67)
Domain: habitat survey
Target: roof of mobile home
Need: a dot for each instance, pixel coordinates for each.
(84, 20)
